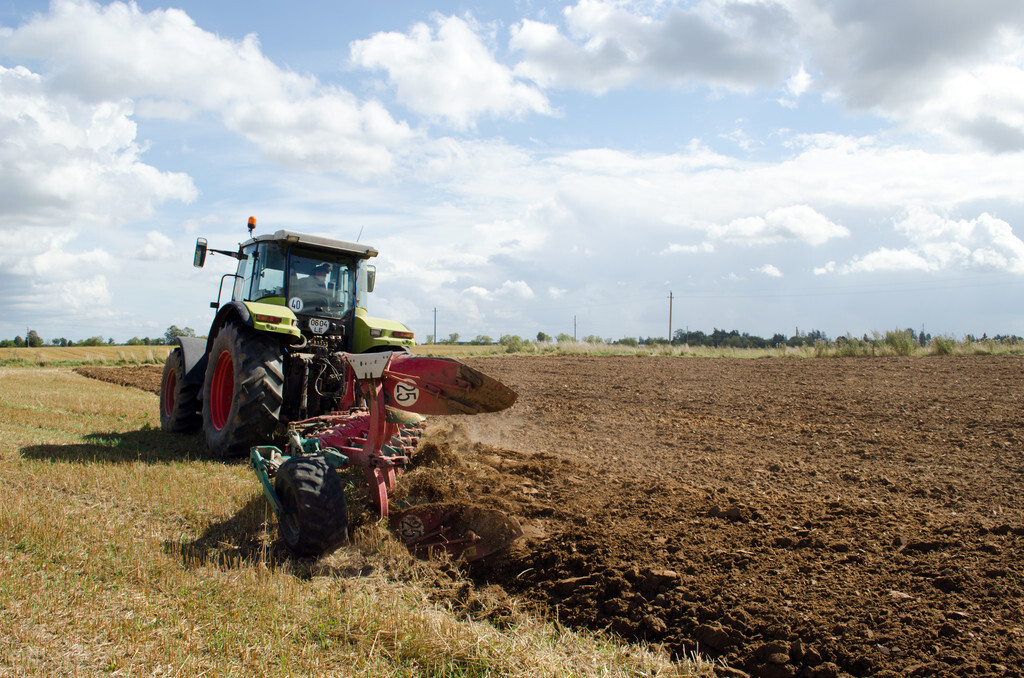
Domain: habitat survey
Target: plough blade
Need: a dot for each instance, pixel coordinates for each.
(442, 386)
(466, 533)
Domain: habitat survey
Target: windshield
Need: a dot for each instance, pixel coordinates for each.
(320, 283)
(260, 273)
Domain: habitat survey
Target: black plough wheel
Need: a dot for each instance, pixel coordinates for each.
(314, 519)
(243, 390)
(179, 400)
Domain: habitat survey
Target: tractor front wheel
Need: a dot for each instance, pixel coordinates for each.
(179, 400)
(243, 390)
(314, 516)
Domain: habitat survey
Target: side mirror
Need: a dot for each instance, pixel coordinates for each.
(200, 257)
(371, 277)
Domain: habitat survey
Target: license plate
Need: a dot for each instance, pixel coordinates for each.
(319, 325)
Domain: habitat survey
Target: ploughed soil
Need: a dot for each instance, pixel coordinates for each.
(811, 517)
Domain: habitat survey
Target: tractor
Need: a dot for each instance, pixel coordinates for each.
(295, 374)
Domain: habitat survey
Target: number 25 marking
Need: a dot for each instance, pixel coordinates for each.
(406, 395)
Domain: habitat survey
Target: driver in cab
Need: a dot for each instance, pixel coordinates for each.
(313, 288)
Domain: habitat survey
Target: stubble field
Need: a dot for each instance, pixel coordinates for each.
(788, 517)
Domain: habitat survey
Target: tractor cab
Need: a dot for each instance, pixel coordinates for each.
(322, 286)
(323, 282)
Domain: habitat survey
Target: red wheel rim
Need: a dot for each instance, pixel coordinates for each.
(170, 384)
(222, 390)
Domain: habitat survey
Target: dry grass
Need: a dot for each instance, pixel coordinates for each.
(84, 355)
(125, 551)
(892, 343)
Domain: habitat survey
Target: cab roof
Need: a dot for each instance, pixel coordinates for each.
(319, 241)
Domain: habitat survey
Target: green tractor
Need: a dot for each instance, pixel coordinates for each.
(297, 375)
(298, 301)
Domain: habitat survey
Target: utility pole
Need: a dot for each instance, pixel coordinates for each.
(435, 325)
(574, 328)
(670, 316)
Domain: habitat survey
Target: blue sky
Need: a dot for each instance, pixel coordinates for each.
(849, 166)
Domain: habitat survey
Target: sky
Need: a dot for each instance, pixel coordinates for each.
(587, 168)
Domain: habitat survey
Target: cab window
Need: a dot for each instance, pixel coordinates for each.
(320, 283)
(268, 276)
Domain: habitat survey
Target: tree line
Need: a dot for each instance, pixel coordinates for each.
(33, 340)
(715, 339)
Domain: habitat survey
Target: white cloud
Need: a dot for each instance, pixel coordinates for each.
(886, 259)
(952, 68)
(478, 292)
(44, 275)
(830, 267)
(68, 166)
(451, 75)
(937, 243)
(799, 82)
(173, 67)
(985, 241)
(796, 223)
(769, 270)
(733, 45)
(158, 246)
(66, 162)
(515, 288)
(702, 248)
(509, 289)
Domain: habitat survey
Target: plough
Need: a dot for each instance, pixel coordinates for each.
(377, 425)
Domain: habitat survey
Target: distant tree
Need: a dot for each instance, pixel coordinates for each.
(628, 341)
(543, 338)
(592, 339)
(92, 341)
(33, 339)
(563, 337)
(134, 341)
(453, 338)
(482, 340)
(173, 332)
(6, 343)
(19, 342)
(507, 339)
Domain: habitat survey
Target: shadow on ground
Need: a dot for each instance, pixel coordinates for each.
(247, 538)
(145, 445)
(250, 538)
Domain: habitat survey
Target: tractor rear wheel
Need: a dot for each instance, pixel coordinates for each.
(179, 400)
(314, 519)
(243, 390)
